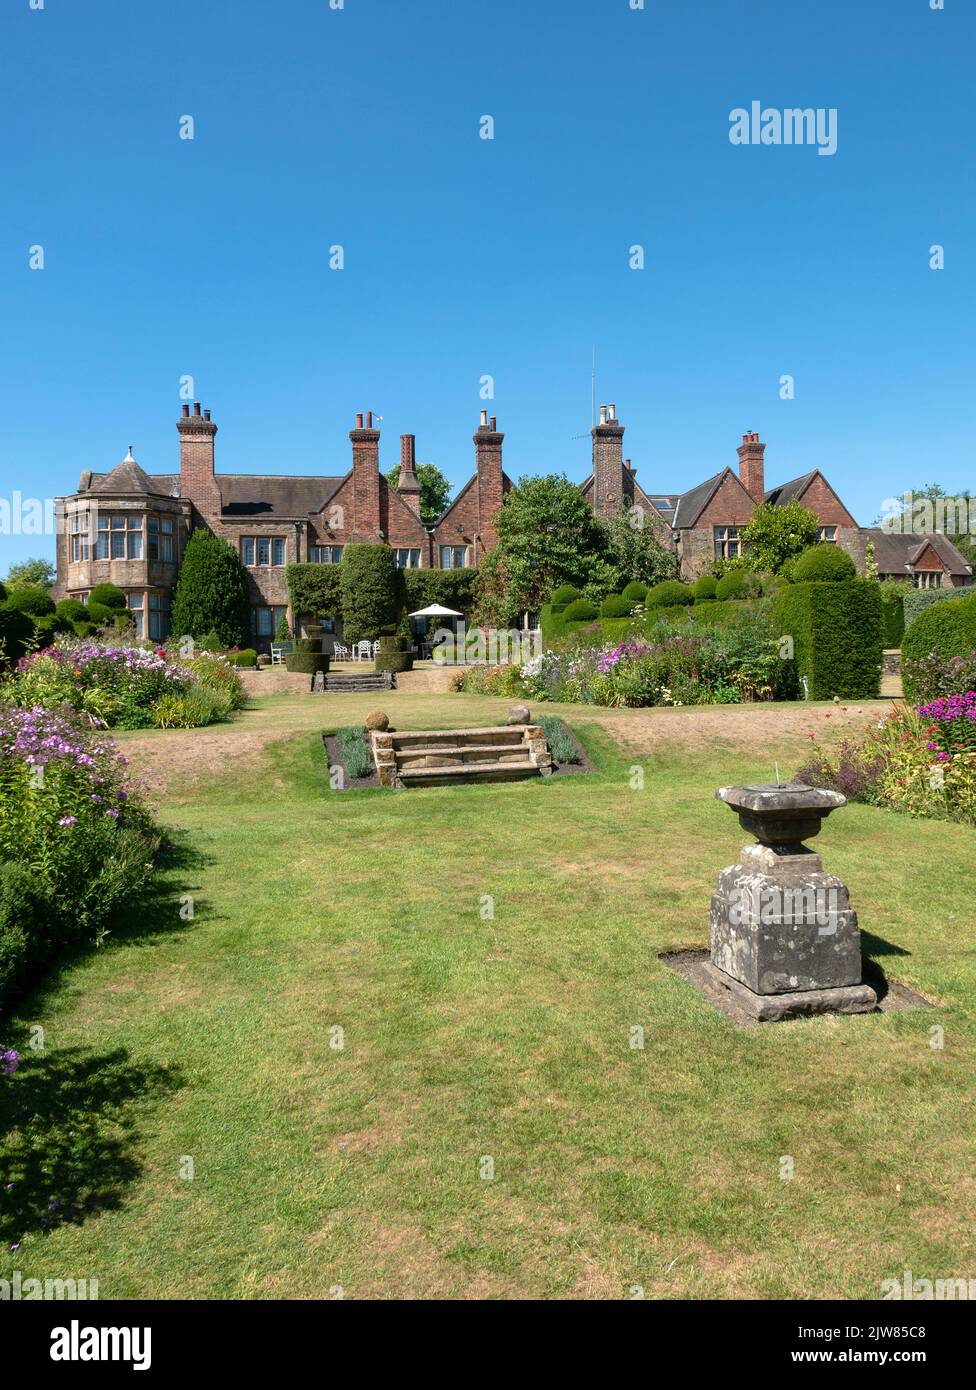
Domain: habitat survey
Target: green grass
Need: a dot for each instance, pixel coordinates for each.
(486, 952)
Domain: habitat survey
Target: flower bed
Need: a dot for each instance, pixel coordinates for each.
(723, 666)
(75, 838)
(921, 761)
(125, 687)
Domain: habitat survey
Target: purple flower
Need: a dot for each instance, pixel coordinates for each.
(68, 820)
(9, 1062)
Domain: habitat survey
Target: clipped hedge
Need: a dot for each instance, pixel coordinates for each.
(668, 594)
(616, 606)
(825, 563)
(733, 585)
(566, 593)
(108, 594)
(369, 591)
(394, 654)
(948, 630)
(315, 591)
(836, 631)
(918, 601)
(704, 588)
(308, 658)
(635, 592)
(893, 613)
(16, 632)
(581, 610)
(30, 599)
(72, 609)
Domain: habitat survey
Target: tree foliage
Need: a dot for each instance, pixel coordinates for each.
(777, 534)
(636, 553)
(37, 571)
(211, 592)
(369, 591)
(435, 490)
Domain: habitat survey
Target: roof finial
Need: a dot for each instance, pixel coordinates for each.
(128, 458)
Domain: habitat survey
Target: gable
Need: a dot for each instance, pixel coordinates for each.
(819, 497)
(729, 505)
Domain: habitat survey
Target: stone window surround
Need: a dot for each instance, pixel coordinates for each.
(253, 544)
(726, 542)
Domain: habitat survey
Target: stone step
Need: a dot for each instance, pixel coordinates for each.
(469, 771)
(460, 751)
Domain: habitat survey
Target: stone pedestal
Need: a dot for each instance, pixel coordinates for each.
(784, 937)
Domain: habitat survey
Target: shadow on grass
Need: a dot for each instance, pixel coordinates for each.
(68, 1136)
(873, 945)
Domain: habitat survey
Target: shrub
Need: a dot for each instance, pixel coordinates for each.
(836, 631)
(734, 585)
(80, 828)
(72, 609)
(562, 744)
(30, 599)
(315, 590)
(108, 594)
(823, 564)
(916, 601)
(377, 720)
(211, 642)
(943, 632)
(247, 657)
(47, 628)
(16, 633)
(217, 674)
(704, 588)
(192, 708)
(369, 591)
(616, 606)
(211, 591)
(893, 612)
(566, 593)
(580, 610)
(26, 930)
(635, 592)
(283, 631)
(668, 593)
(85, 629)
(100, 614)
(355, 752)
(308, 657)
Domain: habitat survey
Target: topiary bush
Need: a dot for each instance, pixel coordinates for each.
(72, 609)
(566, 593)
(100, 614)
(108, 594)
(704, 588)
(369, 591)
(616, 606)
(733, 585)
(635, 592)
(823, 564)
(308, 658)
(943, 632)
(581, 610)
(668, 594)
(247, 657)
(916, 601)
(30, 599)
(836, 632)
(394, 654)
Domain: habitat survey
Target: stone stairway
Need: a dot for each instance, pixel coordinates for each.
(349, 681)
(441, 756)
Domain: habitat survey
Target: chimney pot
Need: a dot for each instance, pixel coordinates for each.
(196, 407)
(603, 415)
(484, 419)
(369, 419)
(493, 423)
(206, 414)
(359, 421)
(613, 412)
(186, 411)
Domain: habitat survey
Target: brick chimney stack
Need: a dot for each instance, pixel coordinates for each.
(197, 480)
(608, 464)
(751, 466)
(409, 485)
(491, 489)
(365, 479)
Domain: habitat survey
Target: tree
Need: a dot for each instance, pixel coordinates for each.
(369, 592)
(636, 553)
(211, 592)
(547, 536)
(40, 572)
(777, 534)
(435, 490)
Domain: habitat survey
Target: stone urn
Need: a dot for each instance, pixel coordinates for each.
(784, 937)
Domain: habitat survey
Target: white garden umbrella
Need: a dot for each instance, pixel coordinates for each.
(436, 610)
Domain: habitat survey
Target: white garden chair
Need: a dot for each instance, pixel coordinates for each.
(339, 652)
(376, 648)
(365, 651)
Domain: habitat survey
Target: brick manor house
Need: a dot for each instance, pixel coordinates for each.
(129, 527)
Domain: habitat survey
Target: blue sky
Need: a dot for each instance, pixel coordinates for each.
(465, 257)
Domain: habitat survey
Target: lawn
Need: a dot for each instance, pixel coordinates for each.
(393, 1043)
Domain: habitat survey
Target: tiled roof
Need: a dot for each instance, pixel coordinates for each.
(692, 503)
(896, 552)
(786, 492)
(273, 495)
